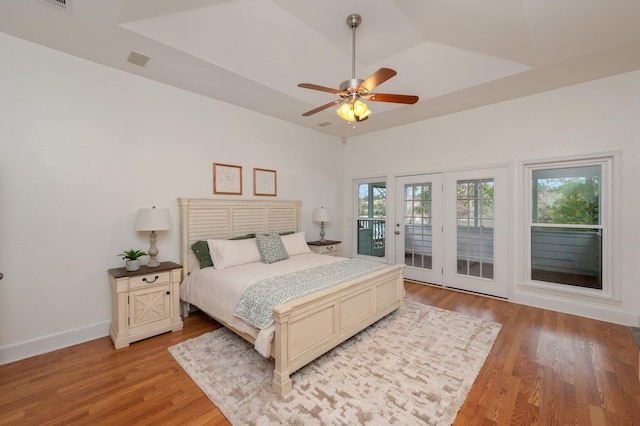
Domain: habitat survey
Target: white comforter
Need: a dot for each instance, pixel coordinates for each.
(217, 292)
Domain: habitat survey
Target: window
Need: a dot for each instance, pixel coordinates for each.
(372, 216)
(569, 233)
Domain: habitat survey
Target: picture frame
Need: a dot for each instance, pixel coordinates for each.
(265, 182)
(227, 179)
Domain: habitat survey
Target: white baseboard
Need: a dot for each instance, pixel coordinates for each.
(52, 342)
(576, 307)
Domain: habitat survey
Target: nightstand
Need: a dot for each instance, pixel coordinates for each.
(330, 248)
(144, 302)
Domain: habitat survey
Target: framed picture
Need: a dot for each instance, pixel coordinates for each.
(227, 179)
(264, 182)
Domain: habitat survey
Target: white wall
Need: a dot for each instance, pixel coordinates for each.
(595, 117)
(82, 148)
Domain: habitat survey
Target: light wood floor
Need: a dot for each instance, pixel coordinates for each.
(545, 368)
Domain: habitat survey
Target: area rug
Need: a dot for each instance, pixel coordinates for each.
(408, 368)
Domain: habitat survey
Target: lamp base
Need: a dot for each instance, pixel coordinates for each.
(153, 251)
(322, 240)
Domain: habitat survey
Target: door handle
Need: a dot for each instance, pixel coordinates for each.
(1, 275)
(397, 232)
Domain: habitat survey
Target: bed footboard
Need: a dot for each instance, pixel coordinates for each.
(308, 327)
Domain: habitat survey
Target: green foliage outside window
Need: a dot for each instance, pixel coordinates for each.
(372, 200)
(574, 200)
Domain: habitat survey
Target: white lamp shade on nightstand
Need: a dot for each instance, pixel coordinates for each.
(321, 215)
(153, 220)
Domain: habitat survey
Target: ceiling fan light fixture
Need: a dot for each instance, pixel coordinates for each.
(346, 112)
(364, 115)
(360, 108)
(353, 111)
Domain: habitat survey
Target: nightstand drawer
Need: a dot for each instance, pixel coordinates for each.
(332, 249)
(149, 279)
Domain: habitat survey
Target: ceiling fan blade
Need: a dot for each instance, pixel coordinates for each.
(388, 97)
(316, 87)
(377, 78)
(323, 107)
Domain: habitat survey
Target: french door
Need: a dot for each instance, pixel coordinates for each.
(476, 224)
(418, 227)
(452, 229)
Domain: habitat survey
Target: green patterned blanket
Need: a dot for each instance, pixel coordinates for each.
(257, 303)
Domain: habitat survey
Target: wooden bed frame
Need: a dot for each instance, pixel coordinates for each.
(308, 327)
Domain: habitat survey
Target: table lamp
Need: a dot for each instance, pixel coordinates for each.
(153, 220)
(321, 215)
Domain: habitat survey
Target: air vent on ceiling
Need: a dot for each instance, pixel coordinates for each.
(138, 58)
(324, 123)
(60, 4)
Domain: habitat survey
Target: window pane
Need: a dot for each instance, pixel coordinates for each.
(567, 256)
(486, 189)
(487, 208)
(408, 192)
(569, 195)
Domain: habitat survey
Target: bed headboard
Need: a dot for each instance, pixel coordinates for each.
(203, 219)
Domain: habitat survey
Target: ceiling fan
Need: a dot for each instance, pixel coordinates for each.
(352, 92)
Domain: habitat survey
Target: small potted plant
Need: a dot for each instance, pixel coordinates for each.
(131, 258)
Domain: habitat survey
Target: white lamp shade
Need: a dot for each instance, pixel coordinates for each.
(321, 215)
(153, 220)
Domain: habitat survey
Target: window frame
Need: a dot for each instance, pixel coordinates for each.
(609, 223)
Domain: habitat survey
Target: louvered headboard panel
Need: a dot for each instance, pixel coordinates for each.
(203, 219)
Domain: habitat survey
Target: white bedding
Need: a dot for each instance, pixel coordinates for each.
(217, 291)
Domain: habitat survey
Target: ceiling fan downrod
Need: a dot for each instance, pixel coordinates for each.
(353, 22)
(351, 86)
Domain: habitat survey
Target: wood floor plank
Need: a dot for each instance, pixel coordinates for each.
(545, 368)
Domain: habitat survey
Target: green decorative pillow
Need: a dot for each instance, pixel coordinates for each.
(201, 250)
(270, 247)
(244, 237)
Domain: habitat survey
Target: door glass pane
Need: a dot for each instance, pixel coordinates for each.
(372, 215)
(418, 232)
(475, 203)
(571, 255)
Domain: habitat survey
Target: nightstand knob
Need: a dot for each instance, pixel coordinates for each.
(150, 282)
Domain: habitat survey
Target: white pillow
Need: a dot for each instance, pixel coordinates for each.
(227, 253)
(295, 244)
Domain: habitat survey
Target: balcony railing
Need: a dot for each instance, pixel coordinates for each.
(371, 237)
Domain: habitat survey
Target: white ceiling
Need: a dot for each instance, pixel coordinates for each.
(453, 54)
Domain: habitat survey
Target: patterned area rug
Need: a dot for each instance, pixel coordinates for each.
(410, 368)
